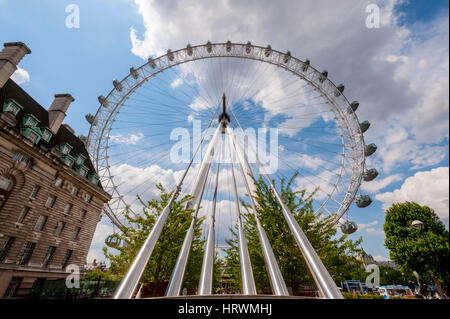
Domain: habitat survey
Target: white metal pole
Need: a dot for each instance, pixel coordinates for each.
(276, 278)
(197, 191)
(206, 275)
(324, 281)
(134, 273)
(247, 280)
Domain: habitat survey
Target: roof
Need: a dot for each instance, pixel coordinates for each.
(13, 91)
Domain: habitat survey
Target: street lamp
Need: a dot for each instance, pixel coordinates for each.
(420, 226)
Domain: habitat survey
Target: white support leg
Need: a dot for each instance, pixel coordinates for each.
(197, 191)
(247, 280)
(325, 283)
(276, 279)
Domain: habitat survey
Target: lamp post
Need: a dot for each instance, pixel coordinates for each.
(420, 226)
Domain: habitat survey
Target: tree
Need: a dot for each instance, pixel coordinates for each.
(337, 253)
(160, 266)
(97, 274)
(426, 252)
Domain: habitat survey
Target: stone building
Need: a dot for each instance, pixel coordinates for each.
(50, 196)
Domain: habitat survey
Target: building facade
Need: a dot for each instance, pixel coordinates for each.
(50, 196)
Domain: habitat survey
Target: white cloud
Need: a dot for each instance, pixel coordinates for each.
(363, 226)
(428, 188)
(376, 185)
(131, 139)
(400, 75)
(20, 76)
(98, 242)
(177, 82)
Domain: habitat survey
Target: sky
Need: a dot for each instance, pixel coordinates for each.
(398, 72)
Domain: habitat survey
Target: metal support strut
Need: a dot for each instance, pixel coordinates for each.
(276, 278)
(326, 285)
(197, 191)
(134, 273)
(248, 282)
(206, 275)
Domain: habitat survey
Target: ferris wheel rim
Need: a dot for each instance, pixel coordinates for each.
(109, 108)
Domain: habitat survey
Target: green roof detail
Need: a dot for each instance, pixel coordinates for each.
(13, 106)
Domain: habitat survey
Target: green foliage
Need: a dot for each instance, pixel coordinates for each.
(160, 266)
(97, 274)
(337, 253)
(426, 252)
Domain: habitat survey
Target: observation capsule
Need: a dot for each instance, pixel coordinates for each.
(189, 49)
(323, 76)
(228, 46)
(268, 50)
(170, 55)
(370, 175)
(349, 227)
(112, 240)
(134, 73)
(364, 126)
(370, 149)
(103, 101)
(248, 47)
(306, 65)
(117, 85)
(208, 46)
(363, 201)
(287, 57)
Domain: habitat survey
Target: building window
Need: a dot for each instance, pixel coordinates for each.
(65, 148)
(87, 198)
(6, 247)
(68, 208)
(17, 157)
(30, 120)
(59, 228)
(46, 134)
(66, 258)
(32, 136)
(23, 214)
(80, 159)
(12, 106)
(83, 214)
(34, 192)
(75, 233)
(58, 182)
(48, 256)
(40, 223)
(6, 184)
(68, 160)
(13, 287)
(74, 191)
(50, 201)
(27, 253)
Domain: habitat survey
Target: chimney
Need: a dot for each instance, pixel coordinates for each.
(10, 56)
(57, 111)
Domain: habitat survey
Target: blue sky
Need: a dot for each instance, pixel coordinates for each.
(114, 35)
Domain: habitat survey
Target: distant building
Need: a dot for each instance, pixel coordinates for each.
(50, 196)
(368, 259)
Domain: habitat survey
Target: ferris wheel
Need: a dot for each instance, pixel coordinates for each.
(319, 134)
(193, 118)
